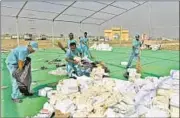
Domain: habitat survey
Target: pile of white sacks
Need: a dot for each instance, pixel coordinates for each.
(155, 47)
(109, 97)
(101, 47)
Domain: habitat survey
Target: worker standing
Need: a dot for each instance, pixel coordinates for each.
(136, 44)
(16, 60)
(72, 65)
(84, 45)
(71, 39)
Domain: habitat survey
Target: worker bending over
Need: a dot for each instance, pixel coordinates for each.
(16, 60)
(84, 45)
(71, 39)
(136, 45)
(72, 64)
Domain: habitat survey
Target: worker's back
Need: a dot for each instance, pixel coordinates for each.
(19, 53)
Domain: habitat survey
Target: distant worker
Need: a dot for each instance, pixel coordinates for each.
(72, 64)
(136, 45)
(84, 45)
(71, 39)
(16, 60)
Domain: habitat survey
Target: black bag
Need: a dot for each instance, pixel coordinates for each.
(23, 77)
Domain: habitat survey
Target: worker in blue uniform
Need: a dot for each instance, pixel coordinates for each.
(136, 44)
(16, 60)
(84, 42)
(72, 65)
(71, 39)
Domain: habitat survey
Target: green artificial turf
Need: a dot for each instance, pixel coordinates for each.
(154, 63)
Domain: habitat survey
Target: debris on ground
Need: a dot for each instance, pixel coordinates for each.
(43, 68)
(4, 87)
(34, 69)
(110, 97)
(124, 63)
(58, 71)
(34, 83)
(60, 65)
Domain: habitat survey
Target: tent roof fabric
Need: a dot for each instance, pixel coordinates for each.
(87, 12)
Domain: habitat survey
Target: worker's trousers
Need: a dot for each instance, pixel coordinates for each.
(85, 51)
(73, 68)
(15, 90)
(133, 55)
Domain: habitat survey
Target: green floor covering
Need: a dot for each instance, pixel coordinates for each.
(157, 63)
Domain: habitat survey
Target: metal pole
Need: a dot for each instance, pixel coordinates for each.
(17, 31)
(81, 28)
(53, 33)
(150, 19)
(99, 31)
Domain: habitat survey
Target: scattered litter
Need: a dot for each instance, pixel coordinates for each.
(4, 87)
(34, 69)
(43, 68)
(34, 83)
(124, 63)
(58, 71)
(43, 92)
(60, 65)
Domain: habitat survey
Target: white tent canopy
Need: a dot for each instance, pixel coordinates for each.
(93, 13)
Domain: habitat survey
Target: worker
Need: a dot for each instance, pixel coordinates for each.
(71, 39)
(135, 49)
(72, 65)
(16, 60)
(84, 45)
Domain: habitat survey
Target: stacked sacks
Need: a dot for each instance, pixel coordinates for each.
(174, 105)
(97, 73)
(133, 74)
(109, 97)
(101, 47)
(69, 86)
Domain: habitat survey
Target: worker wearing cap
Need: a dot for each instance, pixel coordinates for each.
(136, 44)
(84, 45)
(72, 65)
(16, 60)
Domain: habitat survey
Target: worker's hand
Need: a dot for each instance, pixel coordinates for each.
(20, 64)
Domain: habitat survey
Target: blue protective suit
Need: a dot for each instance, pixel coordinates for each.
(70, 67)
(84, 46)
(135, 51)
(19, 53)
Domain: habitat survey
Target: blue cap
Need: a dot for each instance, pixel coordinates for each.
(34, 45)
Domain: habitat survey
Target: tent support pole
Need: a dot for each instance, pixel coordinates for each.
(52, 33)
(17, 30)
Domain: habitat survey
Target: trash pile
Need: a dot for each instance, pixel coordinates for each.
(58, 71)
(110, 97)
(101, 47)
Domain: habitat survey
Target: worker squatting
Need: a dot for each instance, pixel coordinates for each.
(17, 58)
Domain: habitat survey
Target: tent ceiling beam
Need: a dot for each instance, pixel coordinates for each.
(97, 11)
(21, 9)
(124, 12)
(111, 5)
(78, 7)
(64, 10)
